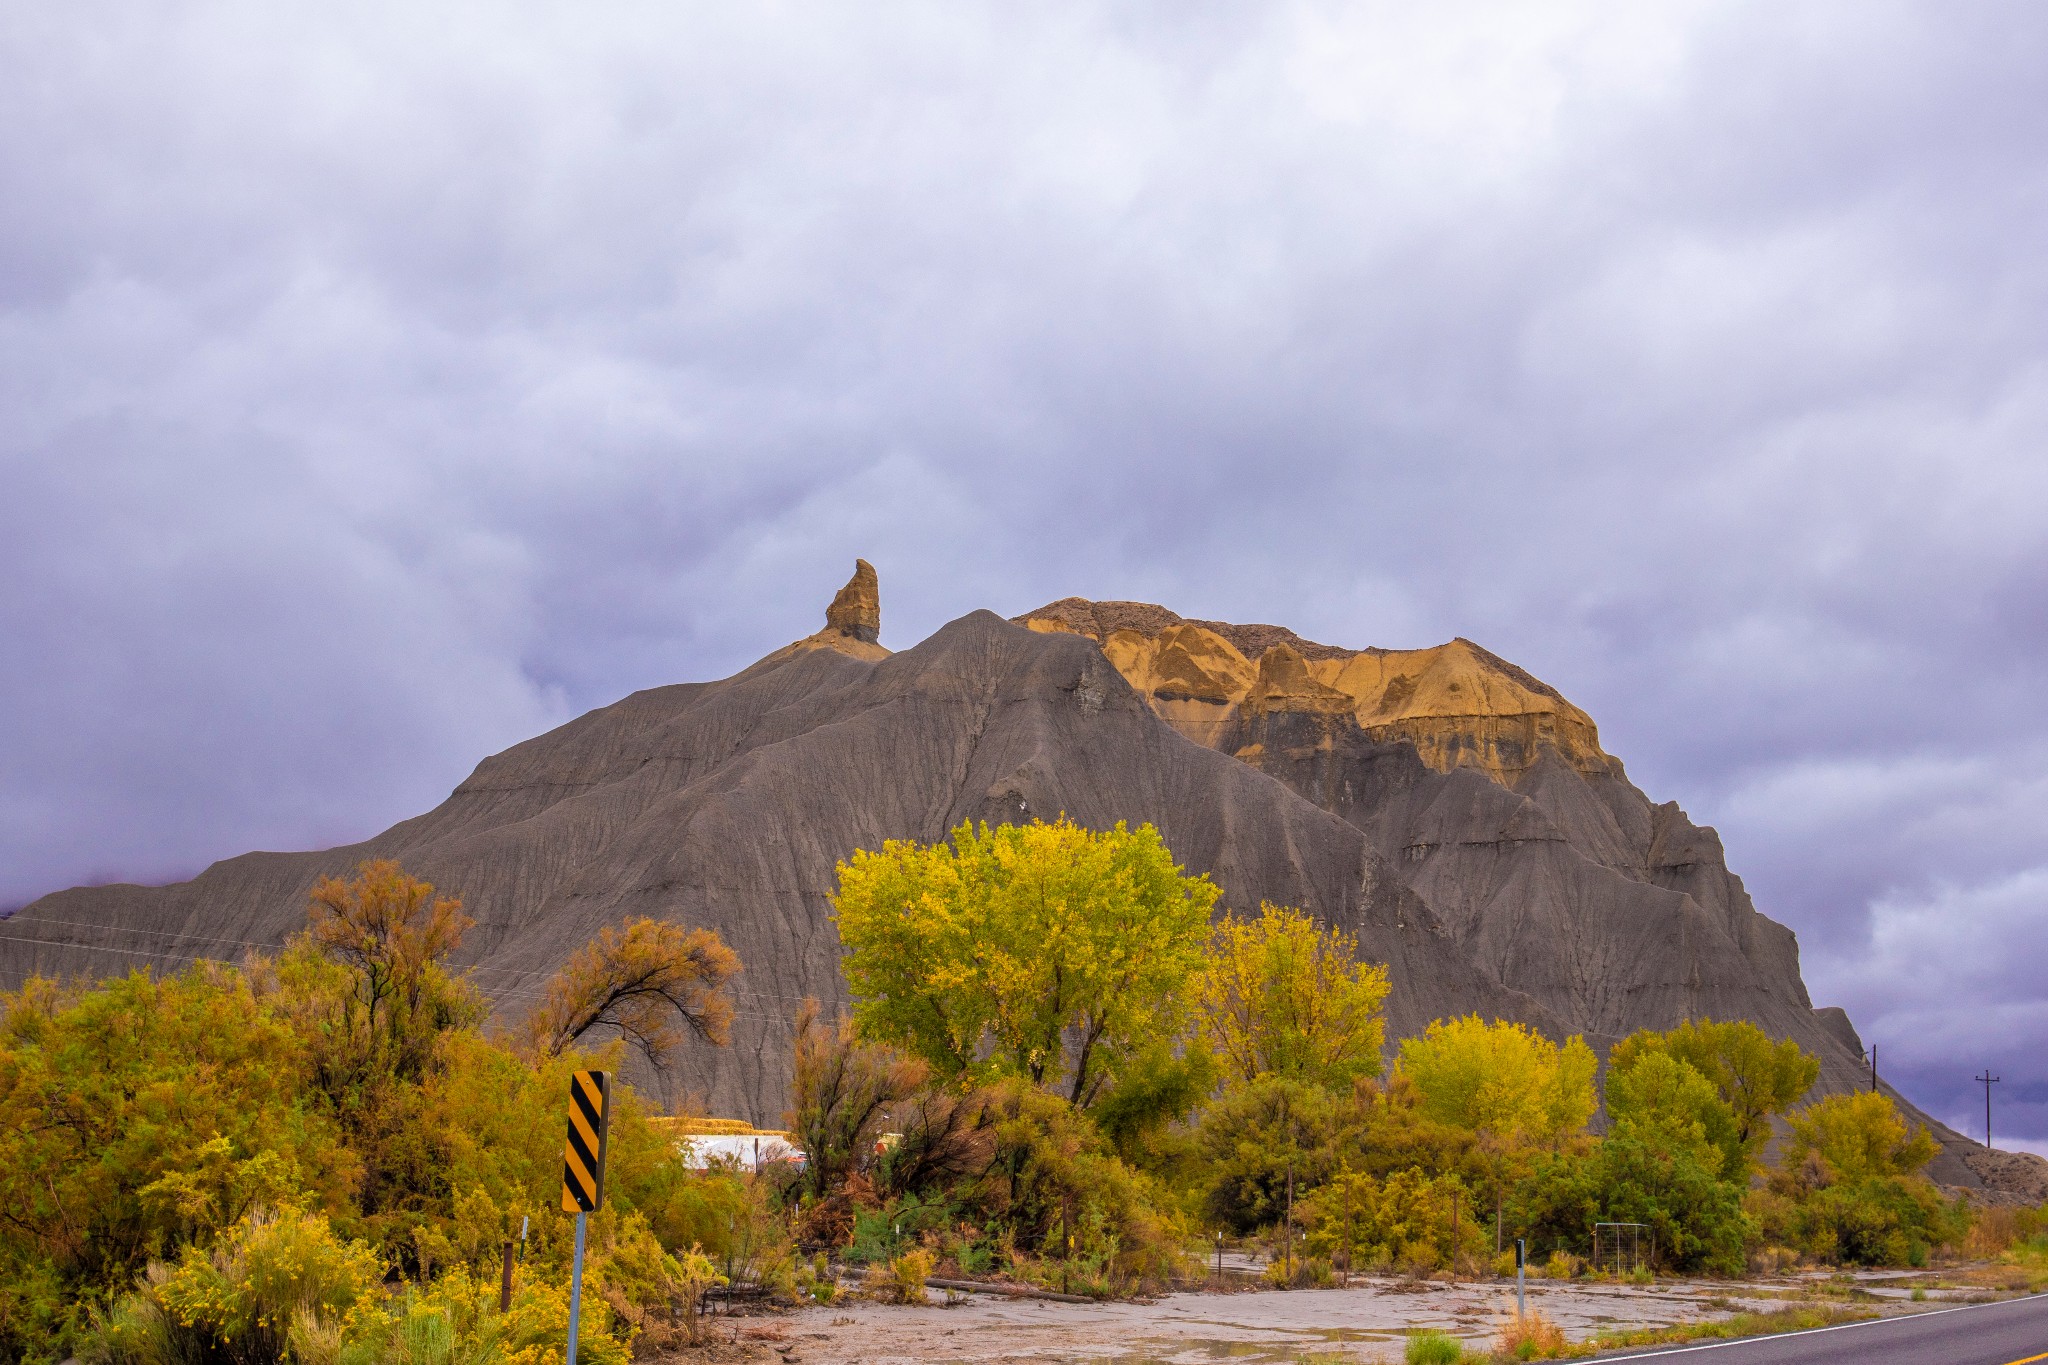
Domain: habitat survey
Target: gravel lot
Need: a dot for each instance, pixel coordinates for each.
(1364, 1322)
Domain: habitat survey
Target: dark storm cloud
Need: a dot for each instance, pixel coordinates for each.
(384, 386)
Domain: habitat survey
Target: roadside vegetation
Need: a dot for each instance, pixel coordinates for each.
(1061, 1069)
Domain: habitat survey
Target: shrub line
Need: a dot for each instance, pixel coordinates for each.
(1015, 1291)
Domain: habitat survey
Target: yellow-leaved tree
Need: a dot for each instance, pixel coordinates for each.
(1666, 1104)
(1502, 1080)
(393, 933)
(1045, 950)
(1856, 1137)
(1282, 995)
(1754, 1075)
(1506, 1083)
(1849, 1185)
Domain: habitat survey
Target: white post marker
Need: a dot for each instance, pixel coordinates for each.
(1521, 1275)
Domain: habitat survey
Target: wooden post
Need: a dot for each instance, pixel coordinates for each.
(505, 1281)
(1290, 1222)
(1347, 1229)
(1454, 1234)
(1521, 1278)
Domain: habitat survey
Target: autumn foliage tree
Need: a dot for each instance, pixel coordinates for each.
(651, 980)
(1669, 1105)
(1502, 1080)
(1856, 1137)
(1281, 995)
(337, 1099)
(1849, 1185)
(1755, 1076)
(1047, 951)
(392, 931)
(1507, 1084)
(136, 1115)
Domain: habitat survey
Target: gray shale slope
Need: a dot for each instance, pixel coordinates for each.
(1448, 809)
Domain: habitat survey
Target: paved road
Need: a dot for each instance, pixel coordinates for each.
(2005, 1333)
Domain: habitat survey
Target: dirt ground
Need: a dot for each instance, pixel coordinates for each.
(1365, 1322)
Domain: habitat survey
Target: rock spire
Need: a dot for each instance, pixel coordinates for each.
(857, 610)
(853, 623)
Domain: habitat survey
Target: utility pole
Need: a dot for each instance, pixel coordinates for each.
(1873, 1068)
(1989, 1081)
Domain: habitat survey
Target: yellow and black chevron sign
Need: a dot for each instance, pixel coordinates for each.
(590, 1123)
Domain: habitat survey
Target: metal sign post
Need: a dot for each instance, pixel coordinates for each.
(1521, 1276)
(590, 1125)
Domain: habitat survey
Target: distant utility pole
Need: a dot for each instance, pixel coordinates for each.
(1873, 1068)
(1989, 1081)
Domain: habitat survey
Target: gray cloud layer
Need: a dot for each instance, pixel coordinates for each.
(380, 387)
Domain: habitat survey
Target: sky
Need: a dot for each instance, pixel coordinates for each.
(382, 385)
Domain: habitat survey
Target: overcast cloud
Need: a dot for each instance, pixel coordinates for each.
(380, 386)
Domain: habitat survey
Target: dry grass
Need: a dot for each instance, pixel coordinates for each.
(1741, 1325)
(1531, 1336)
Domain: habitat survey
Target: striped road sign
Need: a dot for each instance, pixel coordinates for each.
(590, 1122)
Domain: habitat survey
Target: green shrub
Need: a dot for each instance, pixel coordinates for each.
(1410, 1220)
(533, 1333)
(904, 1280)
(1433, 1348)
(1848, 1188)
(1880, 1221)
(284, 1287)
(183, 1104)
(1258, 1138)
(1696, 1221)
(698, 1279)
(241, 1299)
(1052, 1187)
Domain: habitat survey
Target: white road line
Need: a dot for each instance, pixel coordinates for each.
(1816, 1331)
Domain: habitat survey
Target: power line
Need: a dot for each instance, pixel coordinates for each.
(130, 952)
(225, 962)
(255, 943)
(196, 938)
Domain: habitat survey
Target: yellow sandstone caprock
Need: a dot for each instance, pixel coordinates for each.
(1458, 704)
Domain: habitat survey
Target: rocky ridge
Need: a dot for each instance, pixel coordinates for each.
(1459, 704)
(1453, 812)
